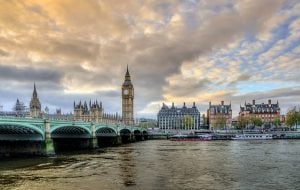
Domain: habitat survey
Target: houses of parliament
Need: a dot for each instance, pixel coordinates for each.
(91, 111)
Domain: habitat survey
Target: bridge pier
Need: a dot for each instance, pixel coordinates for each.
(94, 140)
(118, 140)
(132, 138)
(48, 146)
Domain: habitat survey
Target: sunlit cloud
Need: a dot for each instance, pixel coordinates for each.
(177, 51)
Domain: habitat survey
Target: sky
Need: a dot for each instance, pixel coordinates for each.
(177, 51)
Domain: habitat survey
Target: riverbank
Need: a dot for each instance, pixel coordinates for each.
(282, 135)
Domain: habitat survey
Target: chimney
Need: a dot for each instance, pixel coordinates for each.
(269, 101)
(209, 103)
(194, 104)
(253, 102)
(184, 104)
(222, 102)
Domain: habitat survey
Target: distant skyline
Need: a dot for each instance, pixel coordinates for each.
(177, 51)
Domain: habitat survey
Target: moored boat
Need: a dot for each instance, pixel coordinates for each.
(253, 137)
(191, 137)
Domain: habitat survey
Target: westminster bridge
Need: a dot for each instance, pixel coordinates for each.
(19, 135)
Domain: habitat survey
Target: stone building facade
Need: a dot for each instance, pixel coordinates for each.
(174, 118)
(219, 116)
(85, 112)
(93, 112)
(266, 112)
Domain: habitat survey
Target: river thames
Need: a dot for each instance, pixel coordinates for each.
(162, 164)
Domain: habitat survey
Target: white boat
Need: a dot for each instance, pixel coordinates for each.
(253, 137)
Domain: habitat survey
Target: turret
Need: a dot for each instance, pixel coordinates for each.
(35, 105)
(127, 75)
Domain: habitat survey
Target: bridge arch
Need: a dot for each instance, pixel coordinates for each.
(106, 131)
(106, 136)
(125, 135)
(70, 131)
(145, 134)
(21, 131)
(71, 137)
(138, 135)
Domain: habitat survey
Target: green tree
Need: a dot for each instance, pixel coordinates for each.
(147, 124)
(242, 122)
(256, 121)
(292, 117)
(187, 121)
(220, 122)
(276, 121)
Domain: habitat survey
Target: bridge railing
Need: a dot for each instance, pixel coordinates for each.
(38, 122)
(20, 118)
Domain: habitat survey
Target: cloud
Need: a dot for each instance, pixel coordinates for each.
(3, 53)
(176, 50)
(28, 75)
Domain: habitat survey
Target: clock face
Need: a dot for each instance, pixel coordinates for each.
(126, 92)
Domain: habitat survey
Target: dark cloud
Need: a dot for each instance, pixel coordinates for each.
(29, 74)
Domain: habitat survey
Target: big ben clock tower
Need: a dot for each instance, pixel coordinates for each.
(127, 100)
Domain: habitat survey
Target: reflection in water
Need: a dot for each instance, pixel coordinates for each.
(161, 165)
(127, 166)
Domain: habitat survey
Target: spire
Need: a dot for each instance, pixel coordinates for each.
(127, 75)
(34, 94)
(35, 105)
(85, 105)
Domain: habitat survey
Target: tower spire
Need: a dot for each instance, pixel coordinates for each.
(127, 75)
(34, 94)
(35, 105)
